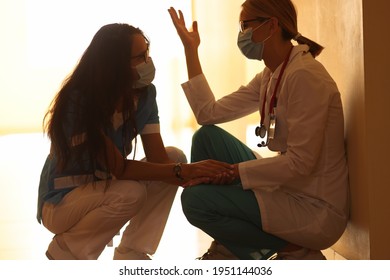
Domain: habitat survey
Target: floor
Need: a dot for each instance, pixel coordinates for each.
(23, 238)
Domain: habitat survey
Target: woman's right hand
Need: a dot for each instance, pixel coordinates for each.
(190, 39)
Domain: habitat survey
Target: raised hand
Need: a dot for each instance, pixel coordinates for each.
(189, 38)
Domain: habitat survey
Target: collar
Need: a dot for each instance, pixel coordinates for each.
(298, 49)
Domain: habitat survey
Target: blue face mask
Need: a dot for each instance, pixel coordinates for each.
(249, 48)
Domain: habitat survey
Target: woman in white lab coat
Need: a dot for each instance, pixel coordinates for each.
(294, 204)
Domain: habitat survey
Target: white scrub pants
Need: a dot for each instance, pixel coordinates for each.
(89, 216)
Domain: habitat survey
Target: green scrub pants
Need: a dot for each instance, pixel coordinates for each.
(227, 213)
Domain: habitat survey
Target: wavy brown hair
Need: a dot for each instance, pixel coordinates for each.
(100, 79)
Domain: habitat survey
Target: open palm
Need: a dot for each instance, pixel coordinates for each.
(189, 38)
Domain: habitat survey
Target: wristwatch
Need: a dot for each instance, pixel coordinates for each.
(177, 171)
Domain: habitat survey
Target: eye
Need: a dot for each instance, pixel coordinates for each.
(244, 24)
(141, 57)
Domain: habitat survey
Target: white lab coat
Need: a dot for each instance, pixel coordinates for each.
(302, 192)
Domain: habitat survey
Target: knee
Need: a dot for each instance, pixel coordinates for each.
(193, 205)
(132, 197)
(206, 136)
(187, 202)
(176, 155)
(204, 131)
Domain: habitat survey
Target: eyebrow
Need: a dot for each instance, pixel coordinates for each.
(143, 52)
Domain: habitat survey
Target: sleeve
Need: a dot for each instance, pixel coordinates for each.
(153, 117)
(152, 124)
(309, 98)
(207, 110)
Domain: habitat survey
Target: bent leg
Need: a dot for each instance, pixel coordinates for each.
(231, 216)
(212, 142)
(89, 216)
(145, 230)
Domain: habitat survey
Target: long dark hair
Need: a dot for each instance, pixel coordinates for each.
(101, 78)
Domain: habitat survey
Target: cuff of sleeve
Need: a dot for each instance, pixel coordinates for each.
(194, 80)
(150, 129)
(243, 176)
(197, 84)
(200, 96)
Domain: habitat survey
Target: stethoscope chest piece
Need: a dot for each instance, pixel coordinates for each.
(264, 133)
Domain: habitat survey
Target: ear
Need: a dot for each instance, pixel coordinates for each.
(274, 25)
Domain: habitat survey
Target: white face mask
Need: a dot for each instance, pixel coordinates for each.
(146, 72)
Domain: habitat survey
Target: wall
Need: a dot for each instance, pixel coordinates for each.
(223, 64)
(337, 25)
(355, 55)
(40, 46)
(376, 23)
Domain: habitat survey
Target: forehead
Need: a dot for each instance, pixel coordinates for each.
(139, 44)
(247, 14)
(244, 15)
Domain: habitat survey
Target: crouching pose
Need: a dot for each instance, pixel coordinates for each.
(294, 204)
(89, 189)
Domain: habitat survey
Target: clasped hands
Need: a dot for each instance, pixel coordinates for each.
(209, 172)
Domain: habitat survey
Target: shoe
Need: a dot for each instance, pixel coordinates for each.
(264, 254)
(56, 252)
(217, 252)
(301, 254)
(129, 254)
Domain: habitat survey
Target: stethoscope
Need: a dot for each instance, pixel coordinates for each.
(261, 131)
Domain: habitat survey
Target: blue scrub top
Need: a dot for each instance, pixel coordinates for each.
(54, 185)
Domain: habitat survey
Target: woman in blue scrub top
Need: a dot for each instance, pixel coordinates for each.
(89, 189)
